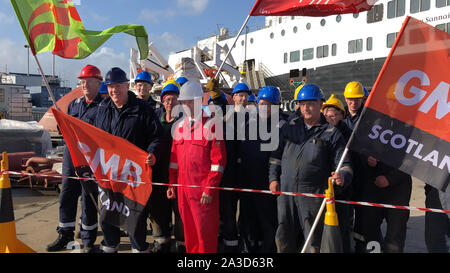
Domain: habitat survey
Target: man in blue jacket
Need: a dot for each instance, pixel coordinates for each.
(260, 210)
(84, 108)
(310, 150)
(126, 116)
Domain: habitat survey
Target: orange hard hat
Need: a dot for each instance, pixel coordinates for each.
(90, 71)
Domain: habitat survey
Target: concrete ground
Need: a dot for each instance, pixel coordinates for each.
(36, 217)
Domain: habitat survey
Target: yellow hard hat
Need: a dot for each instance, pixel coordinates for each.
(333, 101)
(354, 90)
(297, 90)
(171, 82)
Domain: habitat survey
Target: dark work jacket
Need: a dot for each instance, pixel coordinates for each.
(161, 169)
(255, 161)
(231, 175)
(397, 193)
(351, 121)
(359, 161)
(85, 112)
(294, 114)
(135, 122)
(155, 104)
(305, 158)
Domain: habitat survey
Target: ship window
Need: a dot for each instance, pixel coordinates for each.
(322, 22)
(322, 51)
(294, 29)
(285, 58)
(390, 39)
(419, 5)
(251, 40)
(271, 35)
(333, 50)
(338, 18)
(280, 20)
(355, 15)
(242, 42)
(2, 95)
(308, 26)
(396, 8)
(369, 41)
(441, 27)
(308, 54)
(444, 27)
(355, 46)
(294, 56)
(292, 17)
(283, 32)
(375, 14)
(442, 3)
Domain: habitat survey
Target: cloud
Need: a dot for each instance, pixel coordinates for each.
(193, 7)
(99, 18)
(14, 56)
(167, 43)
(6, 19)
(155, 16)
(185, 7)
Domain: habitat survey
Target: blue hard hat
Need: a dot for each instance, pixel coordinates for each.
(170, 87)
(103, 88)
(269, 93)
(144, 76)
(366, 93)
(309, 91)
(241, 87)
(252, 98)
(181, 80)
(115, 75)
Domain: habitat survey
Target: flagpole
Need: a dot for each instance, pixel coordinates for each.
(234, 43)
(324, 202)
(50, 92)
(341, 161)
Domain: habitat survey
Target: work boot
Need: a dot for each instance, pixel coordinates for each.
(89, 249)
(230, 249)
(181, 249)
(60, 243)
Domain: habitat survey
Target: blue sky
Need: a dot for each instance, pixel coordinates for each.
(172, 25)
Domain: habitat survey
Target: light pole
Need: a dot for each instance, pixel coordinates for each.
(28, 56)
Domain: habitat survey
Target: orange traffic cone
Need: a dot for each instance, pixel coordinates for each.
(331, 235)
(8, 237)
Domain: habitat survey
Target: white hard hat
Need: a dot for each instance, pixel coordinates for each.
(191, 90)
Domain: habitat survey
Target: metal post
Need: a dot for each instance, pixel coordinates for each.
(322, 207)
(344, 154)
(50, 92)
(234, 43)
(53, 67)
(28, 59)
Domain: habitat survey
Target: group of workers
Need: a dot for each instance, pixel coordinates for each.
(310, 147)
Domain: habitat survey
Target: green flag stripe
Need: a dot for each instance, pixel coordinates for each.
(73, 41)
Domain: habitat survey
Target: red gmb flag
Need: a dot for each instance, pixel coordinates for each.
(118, 166)
(406, 119)
(318, 8)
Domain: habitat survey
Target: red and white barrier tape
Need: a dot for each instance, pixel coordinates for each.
(314, 195)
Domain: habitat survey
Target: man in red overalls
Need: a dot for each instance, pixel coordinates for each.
(198, 158)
